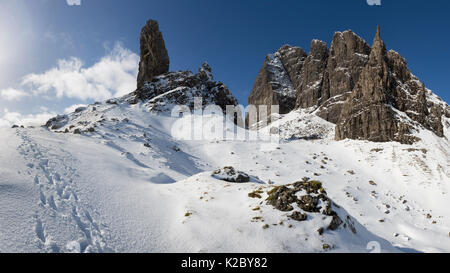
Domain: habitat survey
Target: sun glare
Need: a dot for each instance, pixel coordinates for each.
(15, 29)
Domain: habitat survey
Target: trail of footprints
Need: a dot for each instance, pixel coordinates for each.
(57, 198)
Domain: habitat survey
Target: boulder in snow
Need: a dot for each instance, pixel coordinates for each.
(229, 174)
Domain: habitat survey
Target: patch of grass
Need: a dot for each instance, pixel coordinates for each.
(257, 219)
(424, 151)
(256, 194)
(271, 197)
(273, 190)
(188, 214)
(327, 247)
(316, 185)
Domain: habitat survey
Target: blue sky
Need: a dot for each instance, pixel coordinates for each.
(53, 55)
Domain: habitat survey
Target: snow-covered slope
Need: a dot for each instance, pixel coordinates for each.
(130, 184)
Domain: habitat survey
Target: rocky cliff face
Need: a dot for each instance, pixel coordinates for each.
(368, 92)
(349, 53)
(368, 113)
(388, 102)
(324, 77)
(278, 79)
(312, 75)
(154, 56)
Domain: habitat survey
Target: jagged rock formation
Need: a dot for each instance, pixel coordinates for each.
(293, 59)
(368, 113)
(277, 80)
(161, 89)
(181, 88)
(348, 55)
(368, 92)
(322, 78)
(154, 56)
(312, 75)
(385, 87)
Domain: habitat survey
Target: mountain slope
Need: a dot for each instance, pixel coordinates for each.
(131, 186)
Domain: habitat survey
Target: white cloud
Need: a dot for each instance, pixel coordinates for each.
(73, 2)
(11, 94)
(14, 118)
(114, 75)
(374, 2)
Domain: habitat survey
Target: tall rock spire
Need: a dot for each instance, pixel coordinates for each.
(154, 56)
(378, 54)
(367, 113)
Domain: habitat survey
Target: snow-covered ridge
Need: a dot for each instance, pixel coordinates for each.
(159, 96)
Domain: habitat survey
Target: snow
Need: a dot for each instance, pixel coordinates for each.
(131, 185)
(279, 76)
(302, 124)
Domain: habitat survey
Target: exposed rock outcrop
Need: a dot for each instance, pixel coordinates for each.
(349, 53)
(312, 75)
(229, 174)
(161, 90)
(293, 59)
(154, 56)
(368, 92)
(181, 88)
(322, 78)
(387, 102)
(278, 79)
(307, 195)
(368, 112)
